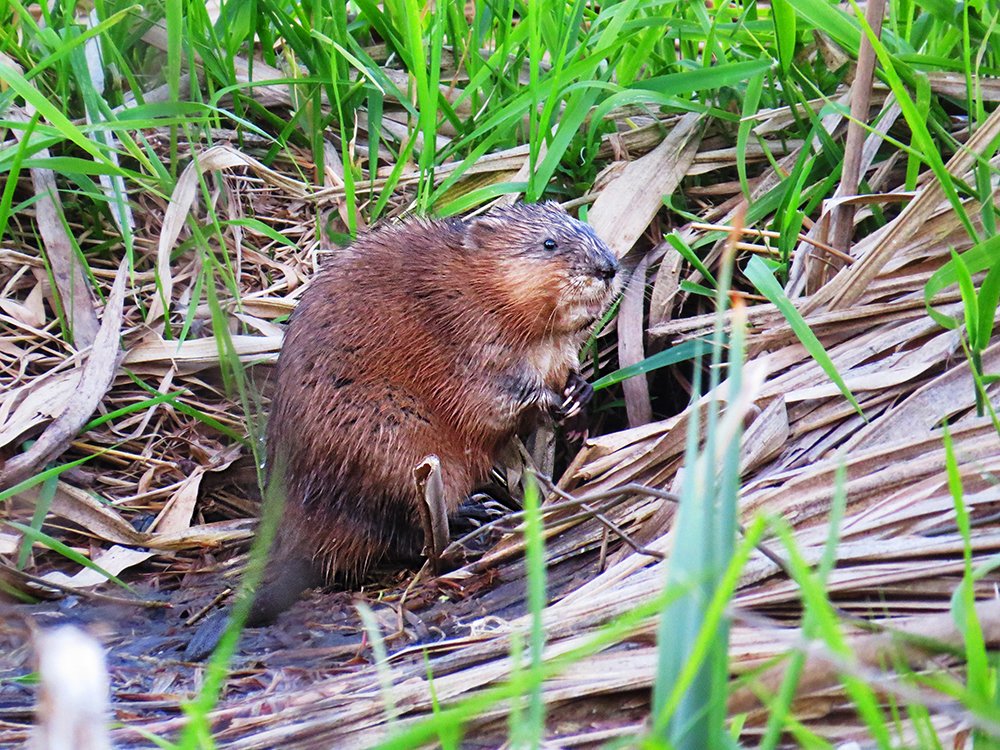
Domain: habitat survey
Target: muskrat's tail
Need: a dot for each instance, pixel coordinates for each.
(283, 584)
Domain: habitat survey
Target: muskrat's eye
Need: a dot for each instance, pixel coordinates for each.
(550, 244)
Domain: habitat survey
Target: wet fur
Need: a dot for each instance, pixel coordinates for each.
(444, 337)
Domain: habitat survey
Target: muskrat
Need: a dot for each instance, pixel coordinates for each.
(443, 337)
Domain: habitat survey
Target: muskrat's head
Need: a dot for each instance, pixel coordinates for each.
(553, 271)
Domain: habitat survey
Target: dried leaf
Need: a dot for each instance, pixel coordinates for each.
(627, 205)
(94, 384)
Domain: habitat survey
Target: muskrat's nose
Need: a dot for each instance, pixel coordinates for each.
(607, 268)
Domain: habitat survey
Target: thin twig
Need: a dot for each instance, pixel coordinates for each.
(774, 235)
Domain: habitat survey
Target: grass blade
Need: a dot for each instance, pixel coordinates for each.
(758, 272)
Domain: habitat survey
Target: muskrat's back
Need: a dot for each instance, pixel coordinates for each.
(424, 337)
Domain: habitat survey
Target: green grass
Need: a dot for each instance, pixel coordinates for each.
(554, 77)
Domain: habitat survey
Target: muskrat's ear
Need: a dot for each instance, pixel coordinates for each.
(483, 230)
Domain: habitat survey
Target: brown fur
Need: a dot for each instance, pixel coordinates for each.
(444, 337)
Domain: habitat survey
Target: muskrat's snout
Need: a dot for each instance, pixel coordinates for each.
(604, 264)
(596, 259)
(606, 267)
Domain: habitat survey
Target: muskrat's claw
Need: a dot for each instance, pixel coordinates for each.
(577, 392)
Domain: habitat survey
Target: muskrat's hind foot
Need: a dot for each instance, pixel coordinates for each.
(474, 512)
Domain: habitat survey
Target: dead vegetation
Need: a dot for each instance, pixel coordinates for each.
(168, 462)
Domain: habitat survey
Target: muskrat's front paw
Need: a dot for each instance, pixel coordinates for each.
(576, 395)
